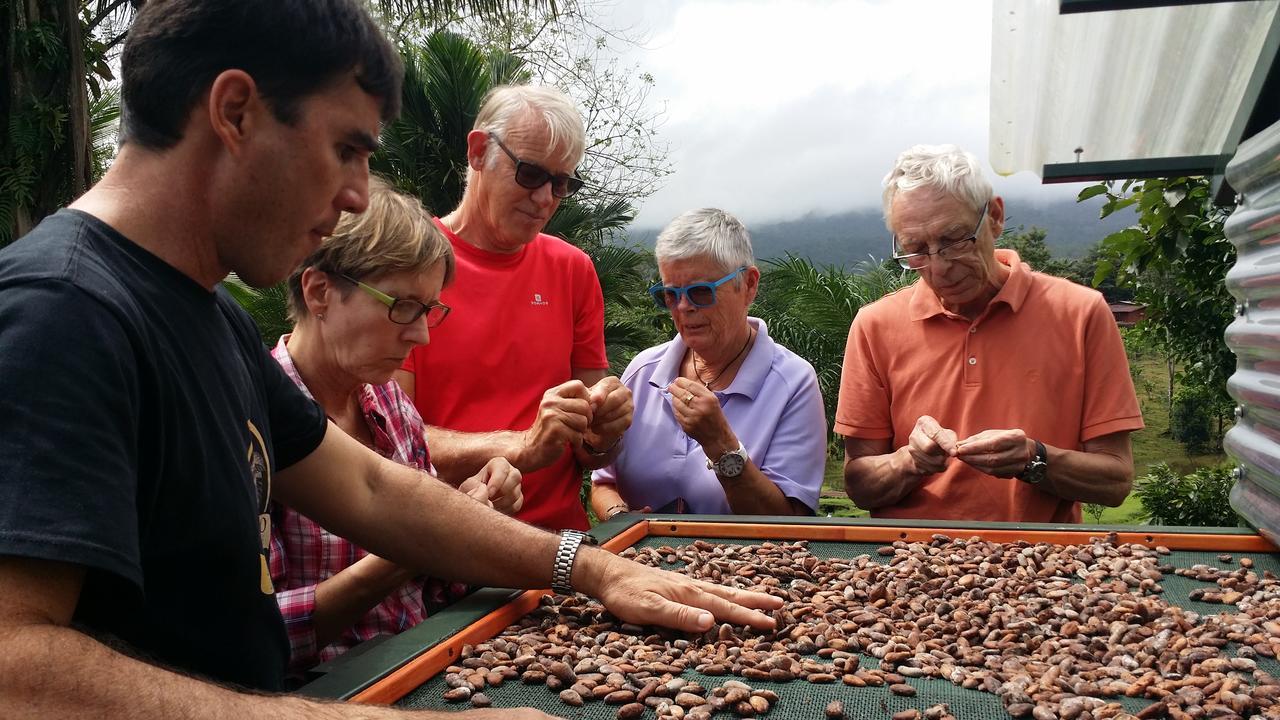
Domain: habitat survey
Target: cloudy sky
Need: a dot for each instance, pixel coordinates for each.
(775, 108)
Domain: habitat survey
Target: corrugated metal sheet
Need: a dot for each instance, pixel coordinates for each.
(1254, 336)
(1146, 83)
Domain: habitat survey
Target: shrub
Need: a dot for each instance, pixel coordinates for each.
(1199, 499)
(1190, 419)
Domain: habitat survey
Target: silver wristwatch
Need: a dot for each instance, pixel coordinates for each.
(731, 464)
(566, 553)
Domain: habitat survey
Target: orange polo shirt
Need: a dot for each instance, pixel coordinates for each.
(1044, 356)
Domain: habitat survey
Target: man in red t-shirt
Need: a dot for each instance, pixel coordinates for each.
(528, 315)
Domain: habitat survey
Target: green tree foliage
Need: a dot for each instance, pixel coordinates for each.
(809, 309)
(1030, 246)
(424, 151)
(1199, 499)
(269, 307)
(1176, 260)
(567, 46)
(58, 102)
(55, 105)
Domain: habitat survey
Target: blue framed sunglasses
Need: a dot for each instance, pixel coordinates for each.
(701, 294)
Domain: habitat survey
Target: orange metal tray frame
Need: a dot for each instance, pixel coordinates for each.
(425, 666)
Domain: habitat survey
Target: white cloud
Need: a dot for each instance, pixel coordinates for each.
(777, 109)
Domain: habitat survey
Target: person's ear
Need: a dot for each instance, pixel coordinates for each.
(234, 108)
(995, 215)
(315, 291)
(752, 279)
(477, 148)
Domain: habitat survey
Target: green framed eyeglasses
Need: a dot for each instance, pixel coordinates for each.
(403, 311)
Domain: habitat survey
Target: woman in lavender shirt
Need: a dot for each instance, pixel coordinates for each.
(726, 420)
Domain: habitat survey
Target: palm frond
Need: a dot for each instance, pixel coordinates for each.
(269, 306)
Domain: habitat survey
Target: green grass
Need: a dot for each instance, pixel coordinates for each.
(1151, 445)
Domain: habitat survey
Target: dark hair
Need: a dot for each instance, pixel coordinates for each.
(291, 48)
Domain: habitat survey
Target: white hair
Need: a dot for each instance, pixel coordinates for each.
(507, 103)
(706, 232)
(945, 168)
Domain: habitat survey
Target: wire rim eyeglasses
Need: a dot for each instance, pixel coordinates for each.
(532, 177)
(403, 311)
(950, 251)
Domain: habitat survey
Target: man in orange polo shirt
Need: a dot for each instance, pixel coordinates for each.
(984, 391)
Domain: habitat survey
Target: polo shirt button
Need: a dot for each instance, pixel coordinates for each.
(973, 361)
(973, 329)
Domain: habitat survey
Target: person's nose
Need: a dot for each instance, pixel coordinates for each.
(417, 332)
(353, 197)
(684, 304)
(542, 195)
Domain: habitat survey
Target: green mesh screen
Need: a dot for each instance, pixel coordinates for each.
(800, 700)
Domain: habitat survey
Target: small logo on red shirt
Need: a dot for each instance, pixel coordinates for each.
(537, 300)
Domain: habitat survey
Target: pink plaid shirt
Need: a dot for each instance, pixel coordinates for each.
(303, 554)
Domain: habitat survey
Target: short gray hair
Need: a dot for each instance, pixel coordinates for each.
(507, 103)
(707, 232)
(945, 168)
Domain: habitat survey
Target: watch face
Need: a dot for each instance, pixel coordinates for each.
(1036, 472)
(731, 465)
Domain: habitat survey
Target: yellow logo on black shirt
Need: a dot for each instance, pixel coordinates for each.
(260, 470)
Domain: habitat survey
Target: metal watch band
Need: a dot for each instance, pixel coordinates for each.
(566, 553)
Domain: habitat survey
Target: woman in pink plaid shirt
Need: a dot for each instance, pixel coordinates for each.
(366, 297)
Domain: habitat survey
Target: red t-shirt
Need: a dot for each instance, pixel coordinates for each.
(520, 324)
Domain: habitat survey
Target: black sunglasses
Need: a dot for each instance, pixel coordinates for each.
(532, 176)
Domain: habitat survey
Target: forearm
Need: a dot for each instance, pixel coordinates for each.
(418, 522)
(49, 671)
(1088, 477)
(753, 493)
(603, 498)
(874, 481)
(459, 455)
(344, 598)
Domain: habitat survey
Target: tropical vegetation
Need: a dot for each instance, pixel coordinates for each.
(60, 103)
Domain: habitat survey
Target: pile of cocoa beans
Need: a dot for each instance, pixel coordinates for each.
(1054, 631)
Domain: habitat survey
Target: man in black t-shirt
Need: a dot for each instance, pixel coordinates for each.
(143, 426)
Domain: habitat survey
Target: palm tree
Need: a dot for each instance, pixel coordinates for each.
(809, 310)
(269, 306)
(58, 58)
(424, 151)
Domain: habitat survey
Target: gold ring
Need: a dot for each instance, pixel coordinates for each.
(688, 398)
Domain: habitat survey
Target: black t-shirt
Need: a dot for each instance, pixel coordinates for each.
(141, 418)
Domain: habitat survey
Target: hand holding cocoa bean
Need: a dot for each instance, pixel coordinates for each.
(1001, 453)
(501, 486)
(930, 446)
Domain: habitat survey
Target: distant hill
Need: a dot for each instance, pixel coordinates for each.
(852, 237)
